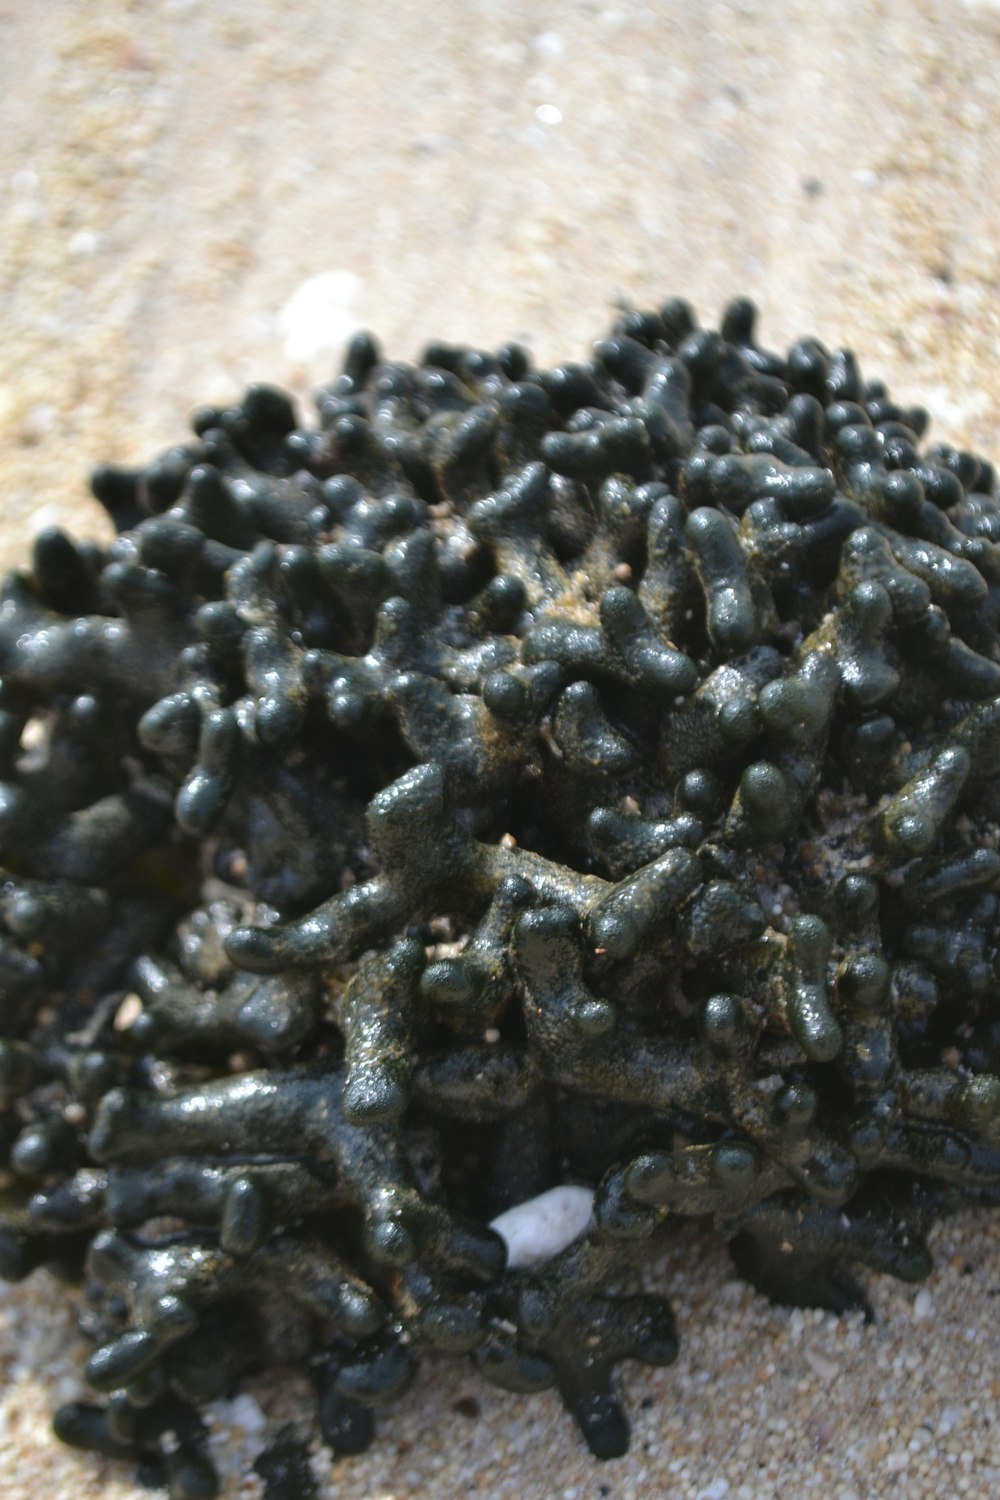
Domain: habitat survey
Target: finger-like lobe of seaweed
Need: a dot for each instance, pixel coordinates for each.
(515, 779)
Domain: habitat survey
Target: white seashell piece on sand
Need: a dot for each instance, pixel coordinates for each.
(539, 1228)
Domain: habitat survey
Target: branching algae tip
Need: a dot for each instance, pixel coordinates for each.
(581, 780)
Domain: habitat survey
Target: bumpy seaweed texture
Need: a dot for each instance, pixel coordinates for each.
(523, 778)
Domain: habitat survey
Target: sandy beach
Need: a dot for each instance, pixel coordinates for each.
(194, 196)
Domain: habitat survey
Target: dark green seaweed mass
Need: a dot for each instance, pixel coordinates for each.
(521, 778)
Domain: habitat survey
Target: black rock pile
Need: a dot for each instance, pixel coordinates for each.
(522, 778)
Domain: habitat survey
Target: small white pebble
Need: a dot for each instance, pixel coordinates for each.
(24, 181)
(42, 418)
(84, 244)
(319, 317)
(548, 114)
(897, 1462)
(826, 1369)
(948, 1420)
(714, 1491)
(549, 44)
(127, 1013)
(541, 1227)
(245, 1412)
(923, 1304)
(47, 515)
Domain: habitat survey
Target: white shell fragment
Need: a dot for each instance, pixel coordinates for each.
(320, 316)
(541, 1227)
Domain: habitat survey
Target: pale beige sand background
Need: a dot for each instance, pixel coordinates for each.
(172, 173)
